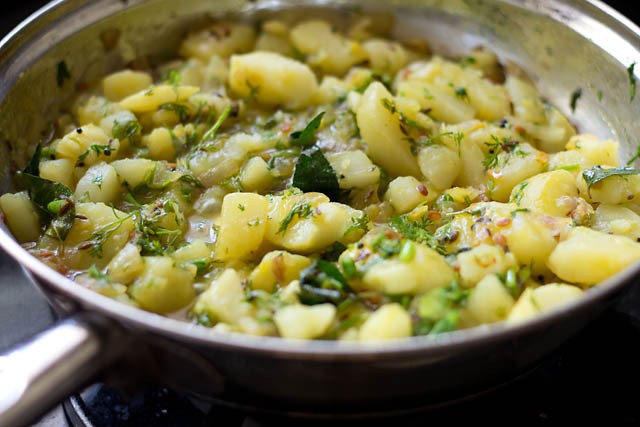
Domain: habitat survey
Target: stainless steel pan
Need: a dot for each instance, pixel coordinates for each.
(563, 44)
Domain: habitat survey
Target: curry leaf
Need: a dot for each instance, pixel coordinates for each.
(62, 73)
(305, 137)
(598, 173)
(314, 173)
(323, 282)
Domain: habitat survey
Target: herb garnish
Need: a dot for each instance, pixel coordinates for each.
(313, 172)
(598, 173)
(63, 73)
(301, 210)
(632, 81)
(575, 96)
(305, 137)
(323, 282)
(439, 309)
(126, 129)
(211, 133)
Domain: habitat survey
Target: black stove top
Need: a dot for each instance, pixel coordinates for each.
(590, 379)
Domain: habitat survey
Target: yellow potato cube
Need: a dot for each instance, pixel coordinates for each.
(388, 322)
(99, 184)
(163, 286)
(489, 301)
(547, 297)
(220, 39)
(255, 175)
(160, 144)
(277, 267)
(119, 85)
(151, 99)
(353, 169)
(406, 192)
(126, 266)
(588, 256)
(60, 170)
(482, 260)
(272, 79)
(79, 141)
(21, 216)
(440, 165)
(242, 226)
(303, 321)
(134, 172)
(551, 193)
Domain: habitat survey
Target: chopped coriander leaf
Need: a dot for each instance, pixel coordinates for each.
(97, 274)
(323, 282)
(63, 73)
(515, 212)
(461, 93)
(126, 129)
(313, 172)
(211, 133)
(598, 173)
(575, 96)
(302, 210)
(632, 81)
(305, 137)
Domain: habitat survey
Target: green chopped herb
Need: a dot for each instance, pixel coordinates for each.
(63, 73)
(126, 129)
(97, 274)
(323, 282)
(306, 137)
(313, 172)
(181, 110)
(301, 210)
(461, 93)
(575, 96)
(632, 81)
(515, 212)
(211, 133)
(598, 173)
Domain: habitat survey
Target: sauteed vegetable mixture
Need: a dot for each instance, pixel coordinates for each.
(298, 180)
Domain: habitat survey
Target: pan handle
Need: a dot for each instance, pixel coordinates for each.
(39, 373)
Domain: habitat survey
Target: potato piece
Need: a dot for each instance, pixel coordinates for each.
(272, 79)
(406, 192)
(489, 301)
(277, 267)
(134, 172)
(325, 48)
(79, 141)
(119, 85)
(545, 298)
(595, 150)
(98, 238)
(99, 184)
(532, 239)
(255, 175)
(151, 99)
(60, 170)
(195, 251)
(160, 144)
(225, 301)
(472, 172)
(618, 220)
(442, 105)
(389, 321)
(380, 130)
(424, 270)
(21, 216)
(304, 322)
(385, 56)
(513, 167)
(613, 190)
(242, 226)
(482, 260)
(440, 165)
(163, 286)
(526, 100)
(588, 257)
(353, 169)
(551, 193)
(221, 39)
(126, 266)
(308, 222)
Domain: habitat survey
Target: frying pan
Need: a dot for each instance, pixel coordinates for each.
(562, 44)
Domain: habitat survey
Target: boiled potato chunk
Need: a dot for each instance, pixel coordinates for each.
(277, 267)
(389, 321)
(552, 193)
(380, 130)
(588, 256)
(119, 85)
(595, 150)
(163, 286)
(272, 79)
(406, 192)
(126, 266)
(613, 190)
(255, 175)
(490, 301)
(520, 163)
(482, 260)
(425, 270)
(160, 144)
(326, 48)
(197, 250)
(242, 225)
(220, 39)
(532, 239)
(225, 301)
(303, 321)
(526, 101)
(60, 170)
(547, 297)
(618, 220)
(79, 141)
(21, 216)
(134, 172)
(99, 184)
(97, 236)
(151, 99)
(308, 222)
(353, 169)
(440, 165)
